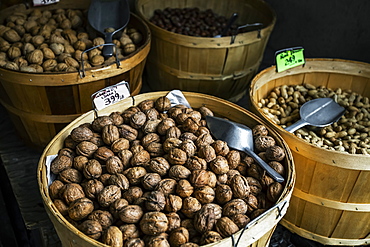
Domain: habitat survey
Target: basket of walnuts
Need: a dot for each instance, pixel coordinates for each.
(144, 173)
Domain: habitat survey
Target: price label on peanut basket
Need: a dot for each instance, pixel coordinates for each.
(289, 58)
(43, 2)
(110, 95)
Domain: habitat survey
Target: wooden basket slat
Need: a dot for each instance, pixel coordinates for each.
(330, 186)
(258, 234)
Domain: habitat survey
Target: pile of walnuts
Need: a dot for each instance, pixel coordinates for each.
(55, 41)
(153, 175)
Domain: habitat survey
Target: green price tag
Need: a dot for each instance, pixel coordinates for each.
(289, 58)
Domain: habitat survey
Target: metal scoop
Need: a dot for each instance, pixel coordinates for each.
(104, 14)
(231, 21)
(239, 137)
(318, 112)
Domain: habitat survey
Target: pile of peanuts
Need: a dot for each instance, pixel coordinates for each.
(350, 134)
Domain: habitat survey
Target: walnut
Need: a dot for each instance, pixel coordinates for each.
(164, 125)
(189, 147)
(254, 185)
(221, 147)
(207, 152)
(230, 174)
(173, 203)
(100, 122)
(134, 242)
(261, 143)
(196, 163)
(260, 130)
(150, 126)
(86, 148)
(79, 162)
(131, 214)
(202, 130)
(60, 163)
(190, 205)
(170, 143)
(204, 219)
(91, 228)
(199, 178)
(61, 206)
(210, 237)
(126, 114)
(167, 186)
(152, 114)
(188, 136)
(95, 60)
(240, 186)
(184, 188)
(241, 220)
(278, 167)
(137, 120)
(113, 237)
(92, 169)
(219, 165)
(80, 208)
(116, 206)
(226, 227)
(120, 180)
(190, 125)
(252, 203)
(255, 171)
(146, 105)
(71, 192)
(104, 178)
(108, 195)
(275, 153)
(178, 237)
(125, 156)
(178, 172)
(140, 158)
(110, 133)
(274, 191)
(70, 175)
(132, 194)
(128, 132)
(129, 48)
(150, 181)
(162, 104)
(204, 139)
(154, 223)
(120, 144)
(235, 206)
(159, 165)
(204, 194)
(174, 221)
(116, 118)
(14, 52)
(205, 111)
(233, 158)
(104, 217)
(173, 132)
(58, 49)
(103, 153)
(223, 193)
(92, 188)
(155, 201)
(136, 147)
(188, 223)
(149, 138)
(155, 149)
(129, 231)
(114, 165)
(55, 188)
(135, 174)
(11, 35)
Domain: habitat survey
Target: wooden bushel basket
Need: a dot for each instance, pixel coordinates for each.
(207, 65)
(331, 200)
(258, 233)
(41, 104)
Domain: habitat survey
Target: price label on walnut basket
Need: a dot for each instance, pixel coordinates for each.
(110, 95)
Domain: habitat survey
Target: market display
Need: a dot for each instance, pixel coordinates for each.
(57, 41)
(351, 134)
(153, 174)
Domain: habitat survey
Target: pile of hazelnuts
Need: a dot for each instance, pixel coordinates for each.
(153, 175)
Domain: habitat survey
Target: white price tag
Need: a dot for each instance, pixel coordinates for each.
(110, 95)
(43, 2)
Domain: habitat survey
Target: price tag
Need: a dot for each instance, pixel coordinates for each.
(110, 95)
(43, 2)
(289, 58)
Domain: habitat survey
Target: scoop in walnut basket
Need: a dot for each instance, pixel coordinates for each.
(239, 137)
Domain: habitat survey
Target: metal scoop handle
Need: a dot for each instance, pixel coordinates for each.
(276, 176)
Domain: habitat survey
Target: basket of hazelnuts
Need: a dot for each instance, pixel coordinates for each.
(145, 173)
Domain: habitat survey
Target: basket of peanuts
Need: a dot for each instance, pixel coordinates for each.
(330, 202)
(148, 172)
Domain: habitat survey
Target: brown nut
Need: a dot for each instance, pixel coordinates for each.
(60, 163)
(204, 219)
(108, 195)
(154, 223)
(70, 175)
(178, 237)
(113, 237)
(80, 208)
(91, 228)
(104, 217)
(226, 227)
(92, 188)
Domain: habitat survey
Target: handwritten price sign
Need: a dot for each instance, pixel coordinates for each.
(289, 58)
(110, 95)
(43, 2)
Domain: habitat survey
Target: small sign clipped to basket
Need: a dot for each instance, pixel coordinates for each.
(289, 58)
(110, 95)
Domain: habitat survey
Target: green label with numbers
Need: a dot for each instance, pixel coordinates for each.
(289, 58)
